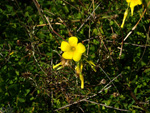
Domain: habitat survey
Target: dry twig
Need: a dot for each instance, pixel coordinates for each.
(89, 97)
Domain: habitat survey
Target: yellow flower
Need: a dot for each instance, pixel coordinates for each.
(72, 49)
(132, 4)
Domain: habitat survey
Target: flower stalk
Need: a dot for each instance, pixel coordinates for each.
(124, 18)
(131, 4)
(78, 70)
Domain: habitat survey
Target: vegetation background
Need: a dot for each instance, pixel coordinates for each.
(31, 32)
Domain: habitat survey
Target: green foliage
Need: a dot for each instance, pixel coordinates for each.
(30, 38)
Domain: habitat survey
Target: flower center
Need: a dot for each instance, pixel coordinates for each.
(73, 48)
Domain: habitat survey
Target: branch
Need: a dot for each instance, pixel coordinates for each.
(37, 60)
(135, 26)
(85, 99)
(88, 17)
(108, 106)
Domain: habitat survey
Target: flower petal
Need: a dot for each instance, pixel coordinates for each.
(67, 55)
(65, 46)
(133, 3)
(128, 1)
(77, 56)
(80, 48)
(73, 41)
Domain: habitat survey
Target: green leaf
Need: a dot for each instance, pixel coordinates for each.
(103, 107)
(21, 100)
(17, 72)
(147, 70)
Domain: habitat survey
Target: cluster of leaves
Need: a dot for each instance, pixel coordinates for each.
(31, 33)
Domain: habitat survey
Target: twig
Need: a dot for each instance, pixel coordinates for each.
(135, 26)
(88, 18)
(81, 109)
(39, 9)
(145, 45)
(1, 54)
(93, 8)
(104, 88)
(136, 100)
(70, 4)
(130, 44)
(108, 77)
(49, 22)
(40, 12)
(108, 106)
(106, 48)
(89, 41)
(121, 49)
(77, 102)
(37, 60)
